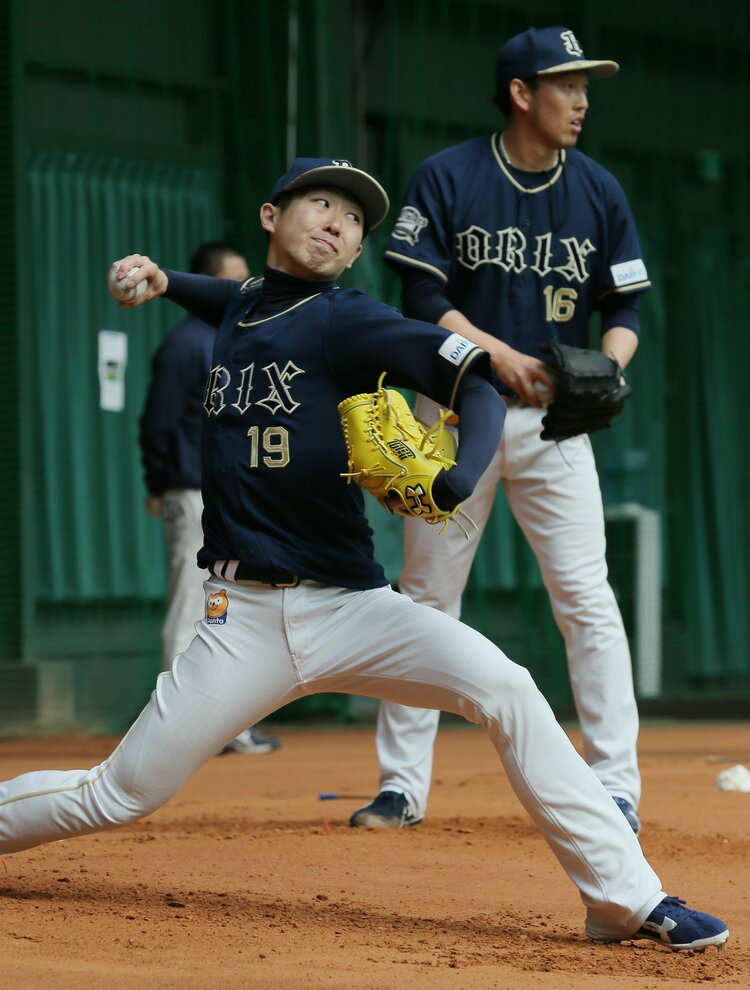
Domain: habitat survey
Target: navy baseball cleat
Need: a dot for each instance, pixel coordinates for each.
(252, 743)
(678, 927)
(631, 815)
(389, 810)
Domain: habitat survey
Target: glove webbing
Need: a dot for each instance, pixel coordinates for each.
(431, 453)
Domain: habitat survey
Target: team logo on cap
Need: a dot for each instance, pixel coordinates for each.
(342, 162)
(409, 225)
(570, 43)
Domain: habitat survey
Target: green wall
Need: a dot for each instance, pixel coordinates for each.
(173, 131)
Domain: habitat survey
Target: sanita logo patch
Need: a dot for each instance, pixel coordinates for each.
(629, 272)
(455, 348)
(217, 606)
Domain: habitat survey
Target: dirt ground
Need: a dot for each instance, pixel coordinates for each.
(247, 880)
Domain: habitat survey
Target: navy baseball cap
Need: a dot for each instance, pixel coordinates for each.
(544, 52)
(340, 173)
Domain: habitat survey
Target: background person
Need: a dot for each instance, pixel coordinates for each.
(513, 240)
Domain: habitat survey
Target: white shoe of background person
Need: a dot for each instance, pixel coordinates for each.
(252, 743)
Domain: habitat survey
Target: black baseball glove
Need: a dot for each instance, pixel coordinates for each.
(589, 393)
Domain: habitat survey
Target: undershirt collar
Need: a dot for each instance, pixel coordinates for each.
(280, 291)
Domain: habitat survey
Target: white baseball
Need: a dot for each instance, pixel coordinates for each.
(118, 286)
(543, 391)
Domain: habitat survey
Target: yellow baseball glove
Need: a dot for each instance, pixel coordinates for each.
(391, 453)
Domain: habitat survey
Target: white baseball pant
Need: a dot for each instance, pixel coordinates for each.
(553, 491)
(277, 645)
(183, 529)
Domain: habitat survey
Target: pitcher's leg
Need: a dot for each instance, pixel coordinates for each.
(424, 657)
(185, 602)
(557, 503)
(229, 677)
(436, 569)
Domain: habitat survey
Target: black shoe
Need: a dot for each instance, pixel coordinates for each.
(389, 810)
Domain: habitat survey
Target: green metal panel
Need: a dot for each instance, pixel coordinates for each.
(91, 538)
(152, 140)
(99, 569)
(11, 615)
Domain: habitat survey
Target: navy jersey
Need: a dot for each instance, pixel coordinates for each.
(171, 424)
(274, 452)
(525, 256)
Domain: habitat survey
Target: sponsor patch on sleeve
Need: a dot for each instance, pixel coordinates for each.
(409, 225)
(455, 348)
(629, 272)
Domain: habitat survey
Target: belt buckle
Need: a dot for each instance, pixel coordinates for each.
(291, 584)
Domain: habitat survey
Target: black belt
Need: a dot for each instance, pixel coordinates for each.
(263, 575)
(272, 576)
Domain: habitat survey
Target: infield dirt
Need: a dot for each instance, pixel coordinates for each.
(245, 879)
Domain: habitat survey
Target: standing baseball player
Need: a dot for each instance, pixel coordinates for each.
(297, 603)
(514, 240)
(171, 429)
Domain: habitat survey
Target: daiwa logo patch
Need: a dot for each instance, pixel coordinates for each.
(629, 272)
(217, 606)
(455, 348)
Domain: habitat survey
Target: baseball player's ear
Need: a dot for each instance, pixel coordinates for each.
(519, 93)
(268, 214)
(359, 252)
